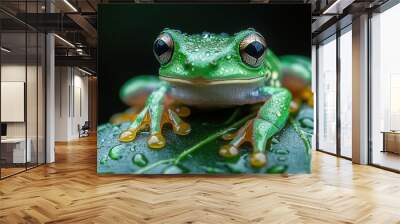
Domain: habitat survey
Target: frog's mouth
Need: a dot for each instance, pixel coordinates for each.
(215, 93)
(202, 81)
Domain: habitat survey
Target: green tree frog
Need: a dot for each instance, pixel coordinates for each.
(210, 70)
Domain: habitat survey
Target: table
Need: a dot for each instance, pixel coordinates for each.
(391, 141)
(16, 147)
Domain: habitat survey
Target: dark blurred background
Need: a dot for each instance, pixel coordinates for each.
(126, 34)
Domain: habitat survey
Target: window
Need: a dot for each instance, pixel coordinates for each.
(385, 89)
(327, 96)
(346, 92)
(22, 77)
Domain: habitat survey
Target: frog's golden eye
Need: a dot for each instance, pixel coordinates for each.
(163, 48)
(252, 49)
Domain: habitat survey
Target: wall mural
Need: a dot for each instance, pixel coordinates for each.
(225, 93)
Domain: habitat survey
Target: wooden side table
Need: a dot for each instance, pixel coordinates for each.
(391, 141)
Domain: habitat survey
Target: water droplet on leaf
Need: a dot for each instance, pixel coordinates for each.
(115, 152)
(306, 123)
(140, 160)
(275, 141)
(104, 160)
(282, 151)
(213, 170)
(277, 169)
(282, 158)
(175, 170)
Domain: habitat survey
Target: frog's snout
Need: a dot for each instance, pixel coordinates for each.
(204, 67)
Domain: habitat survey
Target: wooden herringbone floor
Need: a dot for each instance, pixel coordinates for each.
(70, 191)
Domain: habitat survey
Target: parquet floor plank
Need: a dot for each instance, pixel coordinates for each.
(70, 191)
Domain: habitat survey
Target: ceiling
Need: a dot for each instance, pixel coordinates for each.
(76, 20)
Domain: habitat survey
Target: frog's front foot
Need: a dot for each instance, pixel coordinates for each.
(246, 134)
(154, 115)
(270, 119)
(304, 96)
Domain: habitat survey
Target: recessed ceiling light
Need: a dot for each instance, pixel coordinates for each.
(65, 41)
(84, 71)
(70, 5)
(5, 50)
(337, 7)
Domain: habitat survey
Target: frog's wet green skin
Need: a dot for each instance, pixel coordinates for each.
(210, 71)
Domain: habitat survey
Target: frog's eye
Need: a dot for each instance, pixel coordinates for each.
(252, 49)
(163, 48)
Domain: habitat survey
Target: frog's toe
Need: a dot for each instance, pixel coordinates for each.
(178, 126)
(120, 118)
(127, 135)
(152, 120)
(258, 159)
(310, 102)
(156, 141)
(228, 151)
(305, 96)
(182, 111)
(182, 129)
(295, 105)
(237, 139)
(252, 133)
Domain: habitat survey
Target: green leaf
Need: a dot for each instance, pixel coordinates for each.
(197, 153)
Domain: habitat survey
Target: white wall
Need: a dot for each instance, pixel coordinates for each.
(62, 81)
(71, 102)
(16, 72)
(80, 110)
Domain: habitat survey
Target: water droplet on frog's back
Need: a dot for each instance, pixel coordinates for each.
(224, 35)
